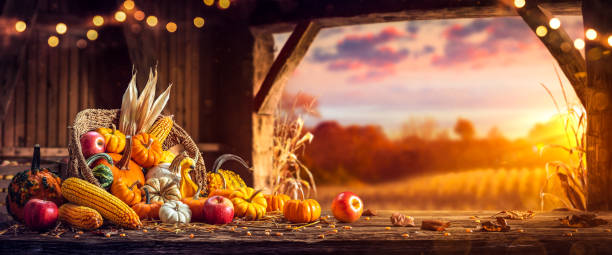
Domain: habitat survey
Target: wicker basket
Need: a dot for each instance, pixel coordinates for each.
(91, 119)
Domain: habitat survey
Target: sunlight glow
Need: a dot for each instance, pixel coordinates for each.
(120, 16)
(519, 3)
(541, 31)
(53, 41)
(579, 44)
(20, 26)
(554, 23)
(92, 34)
(61, 28)
(171, 27)
(98, 20)
(198, 22)
(152, 21)
(591, 34)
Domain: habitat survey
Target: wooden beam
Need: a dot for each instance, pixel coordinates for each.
(281, 15)
(560, 46)
(596, 15)
(291, 54)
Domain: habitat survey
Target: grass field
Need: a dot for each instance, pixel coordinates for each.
(478, 189)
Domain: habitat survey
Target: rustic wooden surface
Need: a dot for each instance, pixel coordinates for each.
(541, 235)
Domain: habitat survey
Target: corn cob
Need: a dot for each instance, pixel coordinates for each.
(161, 128)
(110, 207)
(80, 216)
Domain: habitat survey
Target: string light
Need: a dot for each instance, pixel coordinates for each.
(223, 4)
(128, 4)
(98, 20)
(61, 28)
(198, 22)
(591, 34)
(209, 2)
(120, 16)
(554, 23)
(139, 15)
(21, 26)
(541, 31)
(53, 41)
(610, 40)
(152, 21)
(81, 44)
(579, 44)
(92, 35)
(519, 3)
(171, 27)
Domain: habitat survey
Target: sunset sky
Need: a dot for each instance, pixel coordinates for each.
(486, 70)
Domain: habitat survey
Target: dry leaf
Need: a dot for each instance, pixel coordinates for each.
(582, 221)
(500, 226)
(370, 212)
(515, 215)
(398, 219)
(435, 225)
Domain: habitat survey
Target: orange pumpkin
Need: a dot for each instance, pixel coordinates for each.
(302, 211)
(276, 202)
(146, 151)
(221, 192)
(196, 204)
(126, 192)
(114, 140)
(146, 209)
(124, 168)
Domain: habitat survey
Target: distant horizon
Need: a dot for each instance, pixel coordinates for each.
(486, 70)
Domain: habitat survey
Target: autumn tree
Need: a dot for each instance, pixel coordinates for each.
(465, 129)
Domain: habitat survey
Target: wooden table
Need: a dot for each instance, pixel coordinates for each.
(540, 235)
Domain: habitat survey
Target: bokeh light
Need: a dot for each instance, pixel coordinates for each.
(579, 44)
(198, 22)
(610, 40)
(92, 34)
(20, 26)
(152, 21)
(128, 4)
(541, 31)
(554, 23)
(81, 43)
(223, 4)
(98, 20)
(61, 28)
(120, 16)
(171, 27)
(591, 34)
(139, 15)
(209, 2)
(519, 3)
(53, 41)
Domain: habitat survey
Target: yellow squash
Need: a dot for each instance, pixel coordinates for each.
(249, 203)
(114, 140)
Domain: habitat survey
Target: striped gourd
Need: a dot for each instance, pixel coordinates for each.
(80, 216)
(161, 128)
(110, 207)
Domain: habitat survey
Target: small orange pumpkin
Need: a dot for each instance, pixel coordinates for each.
(114, 140)
(146, 209)
(276, 202)
(146, 151)
(196, 205)
(302, 211)
(124, 168)
(127, 194)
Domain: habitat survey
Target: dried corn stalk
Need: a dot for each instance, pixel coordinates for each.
(138, 113)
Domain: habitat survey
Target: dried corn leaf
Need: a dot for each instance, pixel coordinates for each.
(582, 221)
(145, 101)
(158, 106)
(435, 225)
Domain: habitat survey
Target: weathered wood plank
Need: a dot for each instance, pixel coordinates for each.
(194, 54)
(53, 94)
(9, 124)
(560, 46)
(41, 110)
(73, 90)
(598, 106)
(83, 78)
(62, 120)
(20, 107)
(31, 91)
(268, 95)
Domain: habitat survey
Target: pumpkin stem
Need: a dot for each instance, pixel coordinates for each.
(114, 128)
(127, 153)
(97, 156)
(228, 157)
(36, 158)
(132, 186)
(255, 194)
(148, 197)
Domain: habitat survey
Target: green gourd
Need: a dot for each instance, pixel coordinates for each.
(102, 172)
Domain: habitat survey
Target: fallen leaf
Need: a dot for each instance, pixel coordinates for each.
(370, 212)
(500, 226)
(435, 225)
(398, 219)
(582, 221)
(515, 215)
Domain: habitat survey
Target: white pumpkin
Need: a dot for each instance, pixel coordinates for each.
(163, 170)
(175, 212)
(162, 189)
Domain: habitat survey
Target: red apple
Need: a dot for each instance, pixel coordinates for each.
(40, 214)
(347, 207)
(92, 143)
(218, 210)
